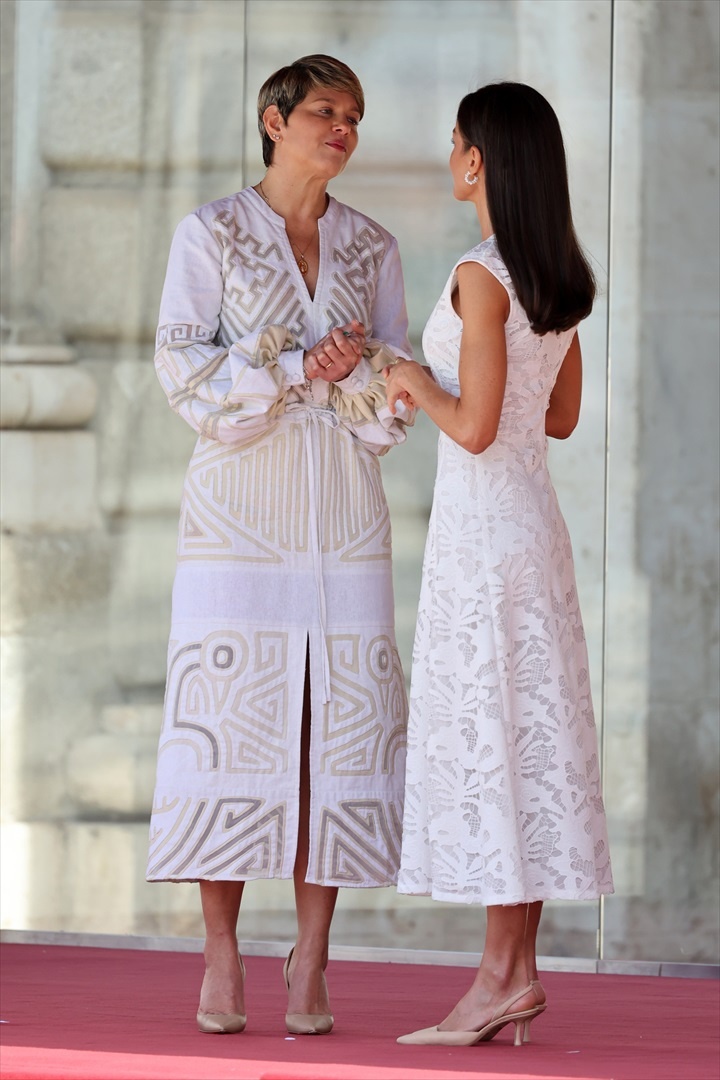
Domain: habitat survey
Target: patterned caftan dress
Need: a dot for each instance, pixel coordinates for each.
(503, 802)
(284, 553)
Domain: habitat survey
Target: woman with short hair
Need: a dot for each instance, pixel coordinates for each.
(282, 748)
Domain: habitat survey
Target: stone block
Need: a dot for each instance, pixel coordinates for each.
(51, 686)
(195, 120)
(112, 775)
(449, 56)
(132, 720)
(8, 78)
(144, 568)
(53, 582)
(143, 446)
(92, 107)
(92, 270)
(54, 662)
(45, 396)
(49, 481)
(68, 876)
(683, 50)
(88, 877)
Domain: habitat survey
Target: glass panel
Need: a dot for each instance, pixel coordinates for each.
(661, 779)
(117, 118)
(125, 116)
(416, 60)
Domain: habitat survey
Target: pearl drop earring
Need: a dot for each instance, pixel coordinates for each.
(470, 179)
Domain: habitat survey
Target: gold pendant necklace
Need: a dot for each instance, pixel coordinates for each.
(302, 262)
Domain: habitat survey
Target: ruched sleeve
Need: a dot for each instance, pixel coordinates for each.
(233, 393)
(367, 413)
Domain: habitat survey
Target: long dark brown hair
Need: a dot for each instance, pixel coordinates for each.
(518, 134)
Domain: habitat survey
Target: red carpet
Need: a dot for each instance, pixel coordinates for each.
(107, 1014)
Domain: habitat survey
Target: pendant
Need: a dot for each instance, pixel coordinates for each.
(302, 265)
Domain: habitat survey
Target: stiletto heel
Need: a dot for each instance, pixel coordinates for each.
(305, 1023)
(212, 1023)
(432, 1036)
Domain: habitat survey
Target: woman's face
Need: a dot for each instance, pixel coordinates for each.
(322, 131)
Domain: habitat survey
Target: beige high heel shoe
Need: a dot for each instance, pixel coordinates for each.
(305, 1023)
(223, 1023)
(432, 1036)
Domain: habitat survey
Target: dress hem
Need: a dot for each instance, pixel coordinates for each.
(334, 884)
(493, 901)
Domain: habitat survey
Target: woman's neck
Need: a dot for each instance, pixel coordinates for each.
(294, 197)
(486, 225)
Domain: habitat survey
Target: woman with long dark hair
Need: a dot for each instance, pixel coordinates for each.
(502, 802)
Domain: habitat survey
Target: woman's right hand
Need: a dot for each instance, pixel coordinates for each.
(337, 354)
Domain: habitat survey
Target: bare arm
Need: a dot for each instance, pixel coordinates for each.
(471, 419)
(564, 409)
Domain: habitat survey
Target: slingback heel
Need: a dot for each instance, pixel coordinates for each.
(433, 1036)
(305, 1023)
(541, 1008)
(212, 1023)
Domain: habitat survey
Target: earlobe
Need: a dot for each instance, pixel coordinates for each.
(273, 122)
(476, 165)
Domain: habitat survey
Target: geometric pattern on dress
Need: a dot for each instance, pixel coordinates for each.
(253, 507)
(227, 715)
(236, 837)
(359, 841)
(364, 726)
(182, 361)
(262, 291)
(352, 293)
(354, 517)
(248, 507)
(228, 697)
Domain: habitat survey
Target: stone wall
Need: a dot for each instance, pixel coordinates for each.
(121, 115)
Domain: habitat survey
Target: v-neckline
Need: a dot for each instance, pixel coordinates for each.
(280, 223)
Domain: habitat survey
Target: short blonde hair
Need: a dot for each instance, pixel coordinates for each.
(291, 85)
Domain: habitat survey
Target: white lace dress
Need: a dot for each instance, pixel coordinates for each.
(502, 802)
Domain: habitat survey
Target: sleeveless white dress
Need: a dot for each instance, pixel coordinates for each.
(502, 800)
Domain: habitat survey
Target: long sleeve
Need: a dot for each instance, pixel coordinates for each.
(231, 393)
(390, 318)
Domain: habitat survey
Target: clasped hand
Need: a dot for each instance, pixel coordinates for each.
(337, 354)
(402, 379)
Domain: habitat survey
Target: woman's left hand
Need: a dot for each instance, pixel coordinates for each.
(337, 354)
(403, 379)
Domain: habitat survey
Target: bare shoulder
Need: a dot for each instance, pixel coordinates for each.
(481, 294)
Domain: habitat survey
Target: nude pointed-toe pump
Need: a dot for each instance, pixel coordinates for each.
(305, 1023)
(432, 1036)
(212, 1023)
